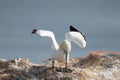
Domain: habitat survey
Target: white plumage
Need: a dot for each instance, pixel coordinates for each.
(61, 52)
(77, 38)
(50, 34)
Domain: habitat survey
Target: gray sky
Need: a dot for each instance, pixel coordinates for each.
(98, 19)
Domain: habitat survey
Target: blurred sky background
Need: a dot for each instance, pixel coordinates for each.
(99, 20)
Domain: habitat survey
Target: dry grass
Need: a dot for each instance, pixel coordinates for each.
(96, 58)
(22, 69)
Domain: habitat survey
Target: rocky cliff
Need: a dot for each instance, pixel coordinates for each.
(98, 65)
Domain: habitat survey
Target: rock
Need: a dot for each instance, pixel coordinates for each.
(98, 65)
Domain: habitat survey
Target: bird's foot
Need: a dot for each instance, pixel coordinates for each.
(66, 70)
(53, 68)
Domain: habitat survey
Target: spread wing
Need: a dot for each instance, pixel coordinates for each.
(76, 36)
(46, 33)
(73, 29)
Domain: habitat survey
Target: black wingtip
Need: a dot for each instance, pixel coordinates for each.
(73, 29)
(34, 31)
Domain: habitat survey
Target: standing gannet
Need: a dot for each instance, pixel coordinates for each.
(61, 52)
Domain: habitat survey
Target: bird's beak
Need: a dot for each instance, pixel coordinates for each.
(34, 31)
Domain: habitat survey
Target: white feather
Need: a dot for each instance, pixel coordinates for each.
(59, 51)
(50, 34)
(77, 38)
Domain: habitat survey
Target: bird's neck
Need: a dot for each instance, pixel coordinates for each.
(55, 44)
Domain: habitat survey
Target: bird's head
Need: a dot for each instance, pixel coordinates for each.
(34, 31)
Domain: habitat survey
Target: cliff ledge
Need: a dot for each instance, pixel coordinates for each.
(98, 65)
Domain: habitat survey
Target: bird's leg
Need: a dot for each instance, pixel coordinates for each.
(53, 63)
(66, 56)
(66, 63)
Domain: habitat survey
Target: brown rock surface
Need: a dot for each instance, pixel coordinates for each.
(98, 65)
